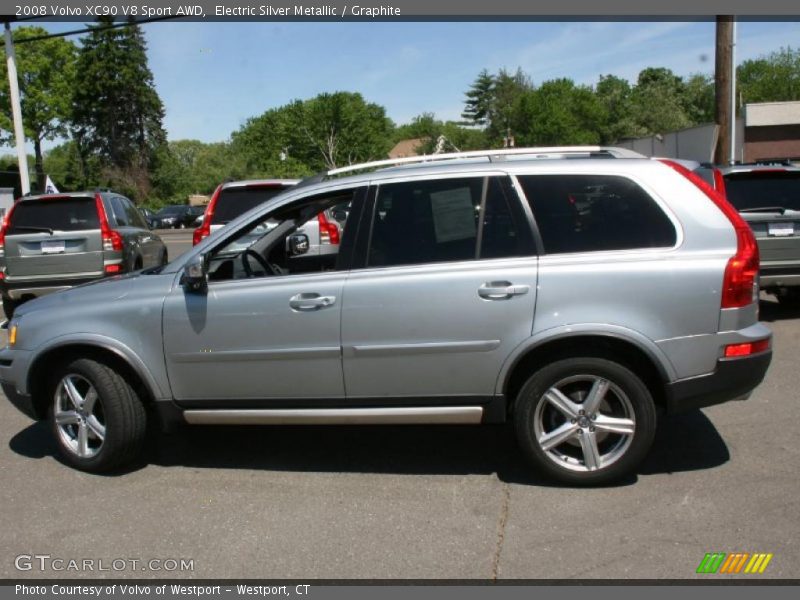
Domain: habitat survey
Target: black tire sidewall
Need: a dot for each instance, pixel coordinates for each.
(532, 394)
(125, 417)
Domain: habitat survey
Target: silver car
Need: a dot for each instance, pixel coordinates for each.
(576, 296)
(56, 241)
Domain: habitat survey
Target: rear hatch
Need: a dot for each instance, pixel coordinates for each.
(53, 236)
(769, 200)
(237, 200)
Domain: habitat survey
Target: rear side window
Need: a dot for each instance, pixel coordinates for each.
(68, 214)
(443, 220)
(586, 213)
(236, 201)
(763, 189)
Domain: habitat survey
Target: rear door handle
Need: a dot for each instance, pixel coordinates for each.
(501, 290)
(310, 301)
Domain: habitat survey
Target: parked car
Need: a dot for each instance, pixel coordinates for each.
(53, 242)
(463, 291)
(318, 237)
(768, 198)
(176, 216)
(234, 198)
(149, 216)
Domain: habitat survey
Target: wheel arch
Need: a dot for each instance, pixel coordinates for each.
(129, 366)
(646, 361)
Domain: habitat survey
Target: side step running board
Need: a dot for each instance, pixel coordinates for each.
(338, 416)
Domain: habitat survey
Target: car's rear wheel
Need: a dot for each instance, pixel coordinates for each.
(97, 418)
(585, 421)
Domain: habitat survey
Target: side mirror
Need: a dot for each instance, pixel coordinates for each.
(195, 274)
(298, 244)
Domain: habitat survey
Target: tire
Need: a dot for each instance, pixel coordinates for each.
(789, 297)
(106, 435)
(559, 437)
(9, 306)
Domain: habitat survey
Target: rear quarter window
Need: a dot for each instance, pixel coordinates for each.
(69, 214)
(589, 213)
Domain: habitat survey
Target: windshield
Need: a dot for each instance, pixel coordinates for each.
(236, 201)
(764, 189)
(67, 214)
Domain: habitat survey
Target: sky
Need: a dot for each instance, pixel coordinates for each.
(213, 76)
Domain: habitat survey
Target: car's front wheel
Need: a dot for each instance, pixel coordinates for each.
(97, 418)
(585, 421)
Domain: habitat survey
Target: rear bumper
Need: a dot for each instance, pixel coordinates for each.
(732, 379)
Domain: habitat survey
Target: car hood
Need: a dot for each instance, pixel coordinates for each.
(96, 292)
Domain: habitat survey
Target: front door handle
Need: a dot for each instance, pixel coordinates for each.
(501, 290)
(310, 301)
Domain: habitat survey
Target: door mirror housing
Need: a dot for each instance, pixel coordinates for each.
(195, 274)
(298, 244)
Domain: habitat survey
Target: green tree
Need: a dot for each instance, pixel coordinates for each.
(117, 113)
(325, 132)
(699, 99)
(508, 89)
(614, 95)
(478, 105)
(658, 102)
(456, 136)
(773, 78)
(46, 75)
(69, 169)
(558, 113)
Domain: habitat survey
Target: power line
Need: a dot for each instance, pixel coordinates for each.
(88, 29)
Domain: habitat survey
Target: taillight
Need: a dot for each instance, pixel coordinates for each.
(112, 240)
(3, 228)
(719, 182)
(328, 232)
(738, 350)
(739, 284)
(204, 230)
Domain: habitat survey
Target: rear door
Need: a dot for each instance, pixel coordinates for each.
(54, 236)
(446, 290)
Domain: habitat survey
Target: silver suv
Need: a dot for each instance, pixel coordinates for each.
(56, 241)
(571, 294)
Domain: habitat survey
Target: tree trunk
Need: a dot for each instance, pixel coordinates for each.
(40, 175)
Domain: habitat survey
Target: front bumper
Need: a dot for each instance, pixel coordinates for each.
(13, 373)
(732, 379)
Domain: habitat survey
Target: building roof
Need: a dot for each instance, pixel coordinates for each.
(765, 114)
(405, 148)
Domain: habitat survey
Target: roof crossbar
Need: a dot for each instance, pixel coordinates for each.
(492, 155)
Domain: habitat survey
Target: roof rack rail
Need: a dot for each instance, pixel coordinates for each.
(492, 155)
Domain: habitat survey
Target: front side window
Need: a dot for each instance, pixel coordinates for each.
(588, 213)
(447, 220)
(300, 238)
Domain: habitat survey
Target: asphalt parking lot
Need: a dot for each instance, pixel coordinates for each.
(417, 502)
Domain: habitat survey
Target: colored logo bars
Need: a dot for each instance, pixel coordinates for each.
(736, 562)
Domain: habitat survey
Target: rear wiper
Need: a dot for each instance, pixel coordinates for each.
(32, 228)
(777, 209)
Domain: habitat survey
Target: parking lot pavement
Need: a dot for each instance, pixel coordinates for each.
(177, 241)
(417, 502)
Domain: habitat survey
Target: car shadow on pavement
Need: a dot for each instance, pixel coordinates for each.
(683, 443)
(770, 310)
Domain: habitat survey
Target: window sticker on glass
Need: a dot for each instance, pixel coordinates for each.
(453, 215)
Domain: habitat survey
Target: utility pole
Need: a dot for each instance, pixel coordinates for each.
(16, 110)
(722, 88)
